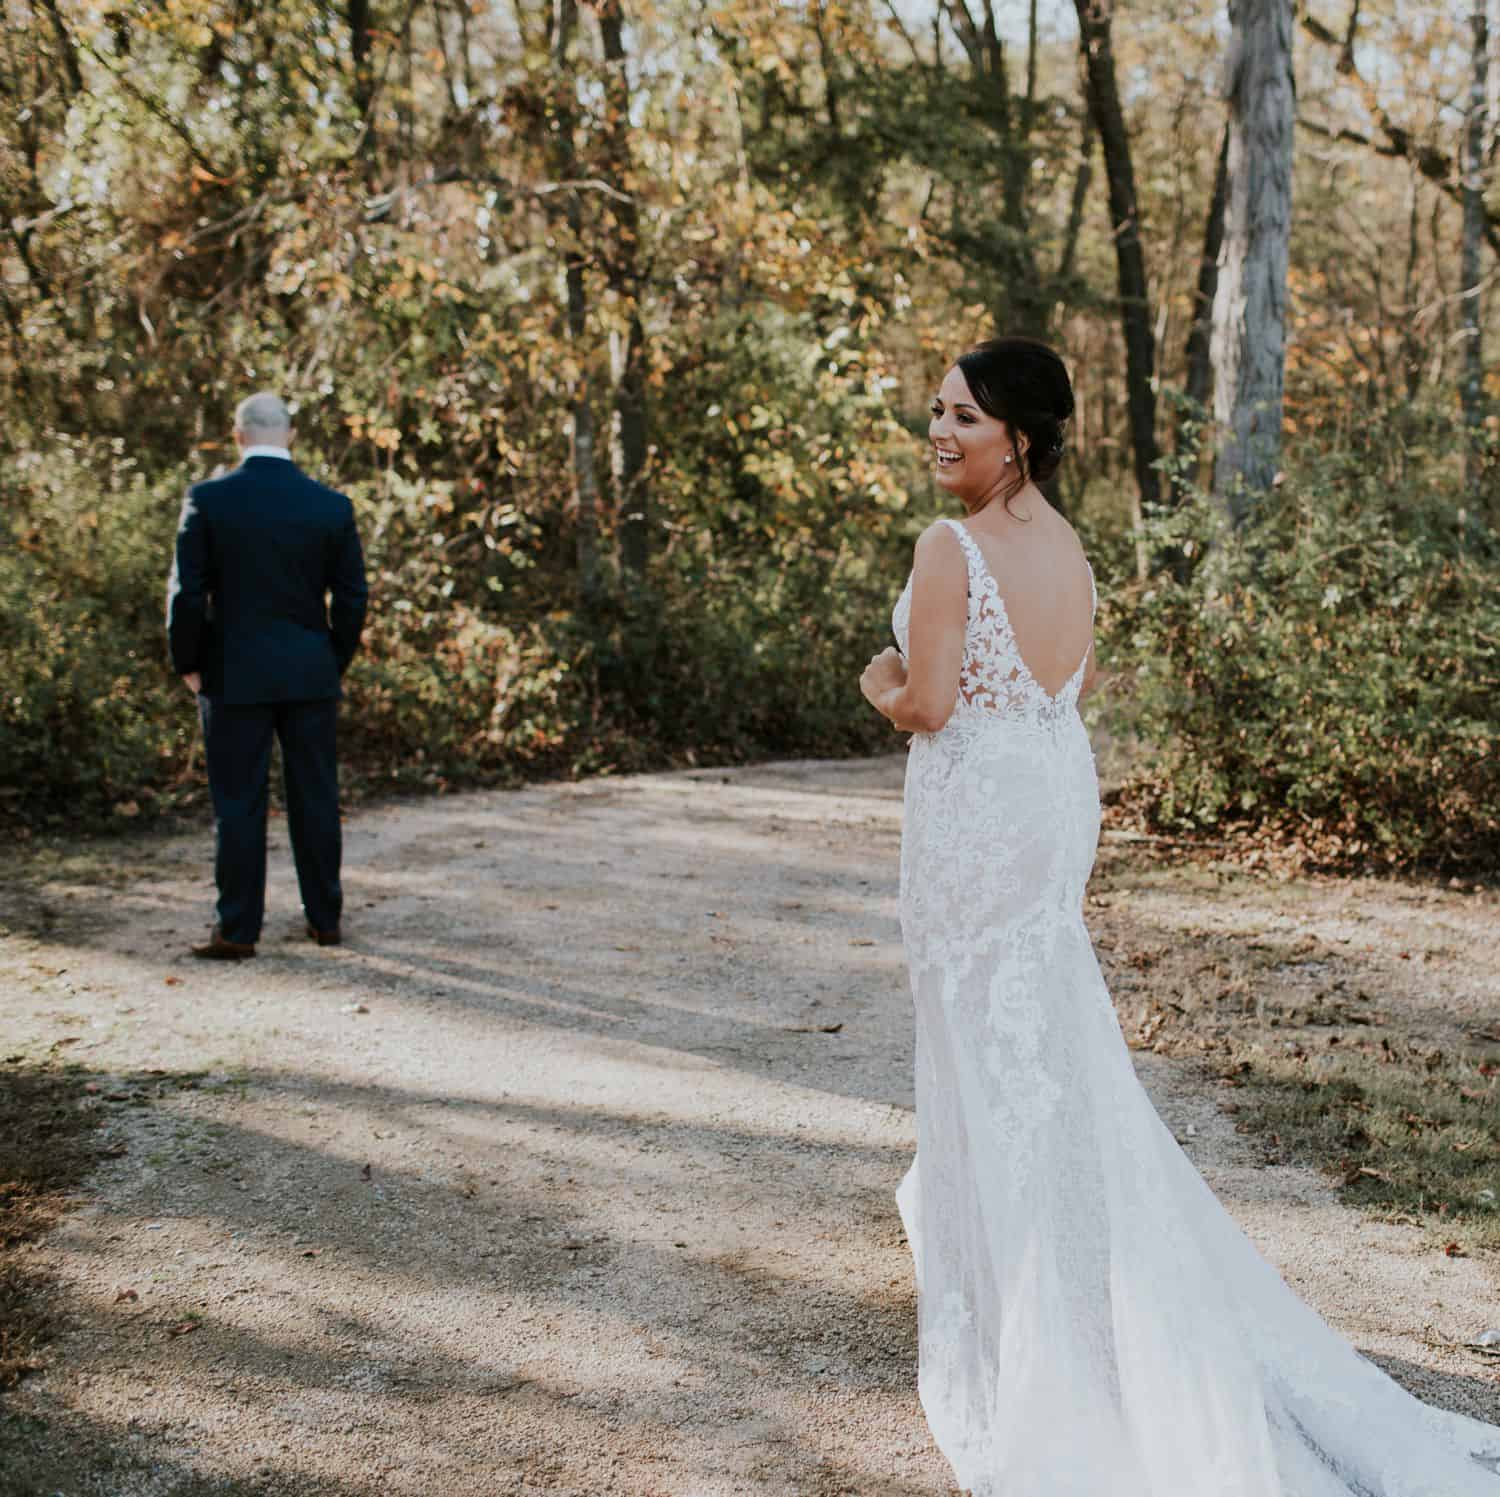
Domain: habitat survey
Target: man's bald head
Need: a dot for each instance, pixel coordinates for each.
(262, 420)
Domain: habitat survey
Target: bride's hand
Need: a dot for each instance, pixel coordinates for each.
(885, 671)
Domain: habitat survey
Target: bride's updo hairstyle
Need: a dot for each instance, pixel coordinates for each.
(1023, 383)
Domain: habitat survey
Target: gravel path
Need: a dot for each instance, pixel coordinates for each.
(571, 1172)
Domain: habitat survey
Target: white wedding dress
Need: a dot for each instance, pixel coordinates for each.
(1092, 1321)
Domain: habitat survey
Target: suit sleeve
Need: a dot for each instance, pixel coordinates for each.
(349, 594)
(187, 590)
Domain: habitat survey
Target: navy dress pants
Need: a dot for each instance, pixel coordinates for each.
(237, 741)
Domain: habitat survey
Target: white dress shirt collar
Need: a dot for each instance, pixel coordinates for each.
(246, 453)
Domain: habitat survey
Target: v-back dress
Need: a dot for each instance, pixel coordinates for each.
(1092, 1322)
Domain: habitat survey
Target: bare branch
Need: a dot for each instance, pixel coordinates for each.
(900, 25)
(967, 29)
(1430, 160)
(1395, 150)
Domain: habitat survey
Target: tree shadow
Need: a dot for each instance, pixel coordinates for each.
(341, 1342)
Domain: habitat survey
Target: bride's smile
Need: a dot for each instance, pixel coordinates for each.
(974, 454)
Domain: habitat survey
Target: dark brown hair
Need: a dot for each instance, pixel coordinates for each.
(1023, 383)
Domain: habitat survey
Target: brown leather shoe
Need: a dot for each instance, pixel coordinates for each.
(323, 937)
(217, 949)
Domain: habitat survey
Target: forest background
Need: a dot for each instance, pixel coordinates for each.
(619, 322)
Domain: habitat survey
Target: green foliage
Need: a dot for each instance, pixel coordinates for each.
(777, 242)
(1330, 670)
(89, 721)
(781, 511)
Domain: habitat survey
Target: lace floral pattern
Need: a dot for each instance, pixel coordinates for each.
(1091, 1319)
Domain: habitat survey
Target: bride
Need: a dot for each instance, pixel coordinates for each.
(1092, 1322)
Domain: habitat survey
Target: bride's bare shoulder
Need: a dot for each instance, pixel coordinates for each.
(939, 548)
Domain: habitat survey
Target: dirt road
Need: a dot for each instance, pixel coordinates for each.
(571, 1172)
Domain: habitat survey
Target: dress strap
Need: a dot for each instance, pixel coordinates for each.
(973, 557)
(1093, 587)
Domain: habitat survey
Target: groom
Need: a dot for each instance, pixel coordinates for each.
(265, 606)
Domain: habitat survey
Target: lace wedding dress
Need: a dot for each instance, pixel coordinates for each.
(1092, 1321)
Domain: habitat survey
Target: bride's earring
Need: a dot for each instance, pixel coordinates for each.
(1009, 458)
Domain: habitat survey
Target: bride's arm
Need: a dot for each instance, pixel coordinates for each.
(918, 694)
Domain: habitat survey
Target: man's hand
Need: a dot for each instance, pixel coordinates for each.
(193, 680)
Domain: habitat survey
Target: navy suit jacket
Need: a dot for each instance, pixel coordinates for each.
(267, 594)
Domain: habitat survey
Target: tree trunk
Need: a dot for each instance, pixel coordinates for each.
(1199, 384)
(1249, 332)
(1470, 260)
(1068, 260)
(1095, 18)
(565, 164)
(358, 13)
(1023, 302)
(69, 54)
(631, 418)
(632, 440)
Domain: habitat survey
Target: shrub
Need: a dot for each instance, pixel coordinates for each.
(90, 722)
(780, 541)
(1331, 670)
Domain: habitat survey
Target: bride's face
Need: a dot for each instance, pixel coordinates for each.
(969, 447)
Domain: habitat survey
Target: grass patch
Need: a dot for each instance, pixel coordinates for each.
(1413, 1132)
(1341, 1053)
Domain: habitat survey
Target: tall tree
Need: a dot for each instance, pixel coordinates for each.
(631, 431)
(1198, 385)
(1024, 306)
(564, 152)
(1095, 24)
(1473, 243)
(1249, 332)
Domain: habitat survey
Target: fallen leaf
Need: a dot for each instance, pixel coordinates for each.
(126, 1294)
(354, 1008)
(70, 1039)
(312, 1252)
(172, 982)
(861, 942)
(1453, 1250)
(364, 1174)
(183, 1328)
(813, 1028)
